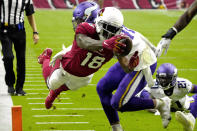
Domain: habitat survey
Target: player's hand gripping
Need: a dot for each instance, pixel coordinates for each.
(114, 44)
(163, 44)
(134, 60)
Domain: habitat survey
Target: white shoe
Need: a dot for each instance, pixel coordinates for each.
(117, 127)
(164, 109)
(186, 119)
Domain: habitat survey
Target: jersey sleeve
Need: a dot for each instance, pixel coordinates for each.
(86, 28)
(29, 8)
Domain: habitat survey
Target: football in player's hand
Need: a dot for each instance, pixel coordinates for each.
(125, 50)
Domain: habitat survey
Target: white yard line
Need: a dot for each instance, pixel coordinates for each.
(35, 89)
(35, 85)
(48, 123)
(44, 98)
(5, 102)
(55, 115)
(78, 109)
(40, 93)
(53, 103)
(35, 81)
(67, 130)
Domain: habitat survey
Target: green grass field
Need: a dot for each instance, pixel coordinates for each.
(81, 109)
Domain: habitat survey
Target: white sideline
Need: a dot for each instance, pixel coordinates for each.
(5, 102)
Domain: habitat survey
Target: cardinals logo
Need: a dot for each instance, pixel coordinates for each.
(101, 12)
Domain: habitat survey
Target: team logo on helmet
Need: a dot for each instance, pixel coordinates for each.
(101, 12)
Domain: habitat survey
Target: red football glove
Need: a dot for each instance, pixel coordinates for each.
(113, 43)
(134, 60)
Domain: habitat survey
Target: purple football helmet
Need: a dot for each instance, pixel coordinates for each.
(85, 12)
(166, 76)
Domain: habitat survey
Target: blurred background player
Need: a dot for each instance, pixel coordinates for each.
(180, 24)
(87, 55)
(129, 81)
(167, 84)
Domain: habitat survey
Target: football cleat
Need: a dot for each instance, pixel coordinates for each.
(117, 127)
(11, 90)
(20, 92)
(164, 110)
(186, 119)
(50, 99)
(45, 55)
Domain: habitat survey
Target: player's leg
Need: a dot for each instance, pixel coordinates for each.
(44, 60)
(105, 87)
(193, 106)
(20, 49)
(8, 58)
(130, 85)
(124, 99)
(55, 82)
(188, 120)
(60, 80)
(53, 94)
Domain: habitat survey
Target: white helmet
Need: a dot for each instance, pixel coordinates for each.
(109, 22)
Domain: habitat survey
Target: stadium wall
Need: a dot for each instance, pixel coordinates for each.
(123, 4)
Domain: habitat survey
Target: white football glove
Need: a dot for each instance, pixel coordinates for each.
(59, 55)
(164, 43)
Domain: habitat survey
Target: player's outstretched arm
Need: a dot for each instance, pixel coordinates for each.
(112, 44)
(85, 42)
(185, 19)
(180, 24)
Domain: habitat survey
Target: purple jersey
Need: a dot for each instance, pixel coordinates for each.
(81, 62)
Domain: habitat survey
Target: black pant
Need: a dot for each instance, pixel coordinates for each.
(10, 36)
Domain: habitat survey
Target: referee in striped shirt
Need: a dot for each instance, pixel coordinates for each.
(12, 34)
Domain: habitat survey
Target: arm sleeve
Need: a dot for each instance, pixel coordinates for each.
(29, 9)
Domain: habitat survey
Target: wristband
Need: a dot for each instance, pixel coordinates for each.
(35, 33)
(171, 33)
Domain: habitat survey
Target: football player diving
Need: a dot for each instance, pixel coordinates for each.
(90, 50)
(106, 28)
(167, 84)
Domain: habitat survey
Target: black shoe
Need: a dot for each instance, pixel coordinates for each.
(21, 92)
(11, 90)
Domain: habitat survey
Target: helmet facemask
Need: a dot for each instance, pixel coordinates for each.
(108, 30)
(109, 22)
(166, 81)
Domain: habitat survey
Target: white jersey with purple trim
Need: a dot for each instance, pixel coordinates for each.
(140, 43)
(179, 97)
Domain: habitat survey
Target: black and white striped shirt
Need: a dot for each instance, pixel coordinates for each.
(12, 11)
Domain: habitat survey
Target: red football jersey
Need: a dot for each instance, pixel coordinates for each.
(81, 62)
